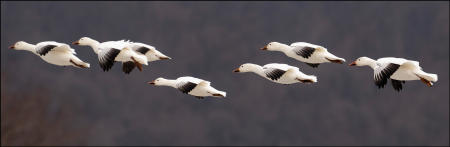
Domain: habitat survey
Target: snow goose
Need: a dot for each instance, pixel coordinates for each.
(110, 51)
(149, 51)
(398, 70)
(190, 85)
(52, 52)
(309, 53)
(278, 73)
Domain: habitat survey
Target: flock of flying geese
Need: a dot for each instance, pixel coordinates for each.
(135, 54)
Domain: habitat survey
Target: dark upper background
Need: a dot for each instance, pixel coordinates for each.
(44, 104)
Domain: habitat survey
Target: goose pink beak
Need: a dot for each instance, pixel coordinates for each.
(352, 64)
(264, 48)
(75, 43)
(236, 70)
(11, 47)
(152, 82)
(164, 58)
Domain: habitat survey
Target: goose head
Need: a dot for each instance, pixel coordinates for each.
(84, 41)
(362, 61)
(247, 67)
(21, 45)
(158, 82)
(273, 46)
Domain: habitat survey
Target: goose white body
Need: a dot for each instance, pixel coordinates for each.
(305, 52)
(192, 86)
(396, 69)
(149, 51)
(54, 53)
(278, 73)
(110, 51)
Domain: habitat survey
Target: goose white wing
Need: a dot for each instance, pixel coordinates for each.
(304, 44)
(410, 65)
(383, 72)
(399, 61)
(108, 51)
(106, 57)
(394, 60)
(186, 84)
(43, 48)
(190, 79)
(114, 44)
(279, 66)
(305, 49)
(275, 71)
(66, 47)
(142, 48)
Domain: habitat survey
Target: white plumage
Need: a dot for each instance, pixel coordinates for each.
(311, 54)
(278, 73)
(53, 52)
(398, 70)
(149, 51)
(193, 86)
(145, 50)
(110, 51)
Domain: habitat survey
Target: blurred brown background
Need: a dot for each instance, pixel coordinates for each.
(44, 104)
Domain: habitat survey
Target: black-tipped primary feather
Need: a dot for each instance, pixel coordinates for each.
(142, 50)
(305, 52)
(382, 76)
(107, 60)
(397, 84)
(313, 65)
(45, 49)
(186, 87)
(127, 67)
(274, 73)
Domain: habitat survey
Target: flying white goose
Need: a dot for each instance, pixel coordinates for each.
(149, 51)
(278, 73)
(398, 70)
(309, 53)
(190, 85)
(110, 51)
(52, 52)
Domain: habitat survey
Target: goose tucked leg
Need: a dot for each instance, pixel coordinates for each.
(429, 84)
(78, 65)
(335, 61)
(305, 80)
(426, 78)
(218, 95)
(139, 65)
